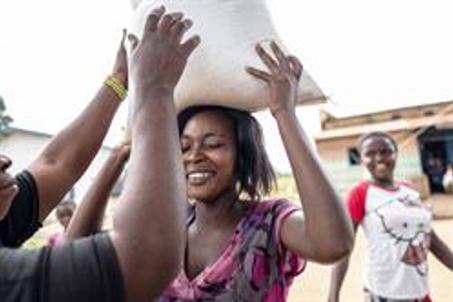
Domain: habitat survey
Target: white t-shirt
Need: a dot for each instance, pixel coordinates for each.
(398, 226)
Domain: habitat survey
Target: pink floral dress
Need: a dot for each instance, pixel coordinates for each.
(255, 266)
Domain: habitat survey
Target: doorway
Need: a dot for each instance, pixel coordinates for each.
(436, 149)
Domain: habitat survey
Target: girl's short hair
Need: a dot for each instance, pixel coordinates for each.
(255, 176)
(373, 134)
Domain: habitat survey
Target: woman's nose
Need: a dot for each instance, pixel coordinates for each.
(194, 154)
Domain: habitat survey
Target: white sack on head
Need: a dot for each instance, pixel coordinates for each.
(135, 3)
(215, 73)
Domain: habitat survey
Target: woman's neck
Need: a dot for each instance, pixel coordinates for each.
(219, 212)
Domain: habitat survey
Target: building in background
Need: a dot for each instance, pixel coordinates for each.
(424, 134)
(24, 145)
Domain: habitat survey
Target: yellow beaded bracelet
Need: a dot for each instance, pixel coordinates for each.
(116, 86)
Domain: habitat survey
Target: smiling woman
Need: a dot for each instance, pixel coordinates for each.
(242, 245)
(237, 240)
(232, 138)
(210, 135)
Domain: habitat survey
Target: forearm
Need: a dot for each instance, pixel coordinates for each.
(89, 215)
(148, 227)
(327, 224)
(336, 279)
(69, 153)
(441, 251)
(77, 144)
(149, 219)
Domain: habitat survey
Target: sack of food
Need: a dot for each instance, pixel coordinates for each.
(215, 73)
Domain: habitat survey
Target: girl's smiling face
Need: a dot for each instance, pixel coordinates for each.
(378, 154)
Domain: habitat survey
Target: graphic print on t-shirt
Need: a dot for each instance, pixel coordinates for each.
(400, 220)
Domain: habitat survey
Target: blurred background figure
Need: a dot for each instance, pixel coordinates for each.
(63, 212)
(447, 180)
(435, 169)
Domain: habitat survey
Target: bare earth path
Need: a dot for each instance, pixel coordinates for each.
(313, 284)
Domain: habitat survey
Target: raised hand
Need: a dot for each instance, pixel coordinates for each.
(120, 66)
(158, 60)
(120, 154)
(283, 77)
(156, 64)
(89, 216)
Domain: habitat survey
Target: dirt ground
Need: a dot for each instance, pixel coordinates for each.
(313, 284)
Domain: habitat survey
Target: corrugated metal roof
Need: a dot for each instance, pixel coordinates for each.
(394, 125)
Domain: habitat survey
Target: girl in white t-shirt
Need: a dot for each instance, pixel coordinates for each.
(398, 228)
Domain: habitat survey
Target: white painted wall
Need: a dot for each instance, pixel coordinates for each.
(24, 146)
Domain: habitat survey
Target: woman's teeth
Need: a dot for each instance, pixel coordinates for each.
(198, 177)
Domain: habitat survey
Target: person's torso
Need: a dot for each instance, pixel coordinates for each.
(398, 226)
(252, 266)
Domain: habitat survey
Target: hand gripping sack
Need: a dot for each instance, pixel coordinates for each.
(215, 73)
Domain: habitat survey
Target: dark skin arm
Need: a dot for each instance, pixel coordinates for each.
(69, 153)
(441, 251)
(88, 218)
(148, 229)
(338, 274)
(324, 234)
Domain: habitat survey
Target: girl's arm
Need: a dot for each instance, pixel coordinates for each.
(441, 251)
(88, 218)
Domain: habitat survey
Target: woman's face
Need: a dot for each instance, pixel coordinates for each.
(378, 155)
(209, 154)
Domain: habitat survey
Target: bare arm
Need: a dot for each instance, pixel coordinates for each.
(441, 251)
(339, 271)
(324, 233)
(89, 216)
(148, 229)
(69, 153)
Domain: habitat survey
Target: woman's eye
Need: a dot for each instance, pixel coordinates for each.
(214, 145)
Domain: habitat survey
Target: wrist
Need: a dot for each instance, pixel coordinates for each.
(147, 91)
(334, 296)
(150, 101)
(281, 113)
(121, 77)
(116, 85)
(114, 166)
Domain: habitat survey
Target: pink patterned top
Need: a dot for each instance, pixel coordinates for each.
(255, 266)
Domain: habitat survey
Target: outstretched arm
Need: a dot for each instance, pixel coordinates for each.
(88, 218)
(324, 233)
(441, 251)
(148, 226)
(69, 153)
(339, 271)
